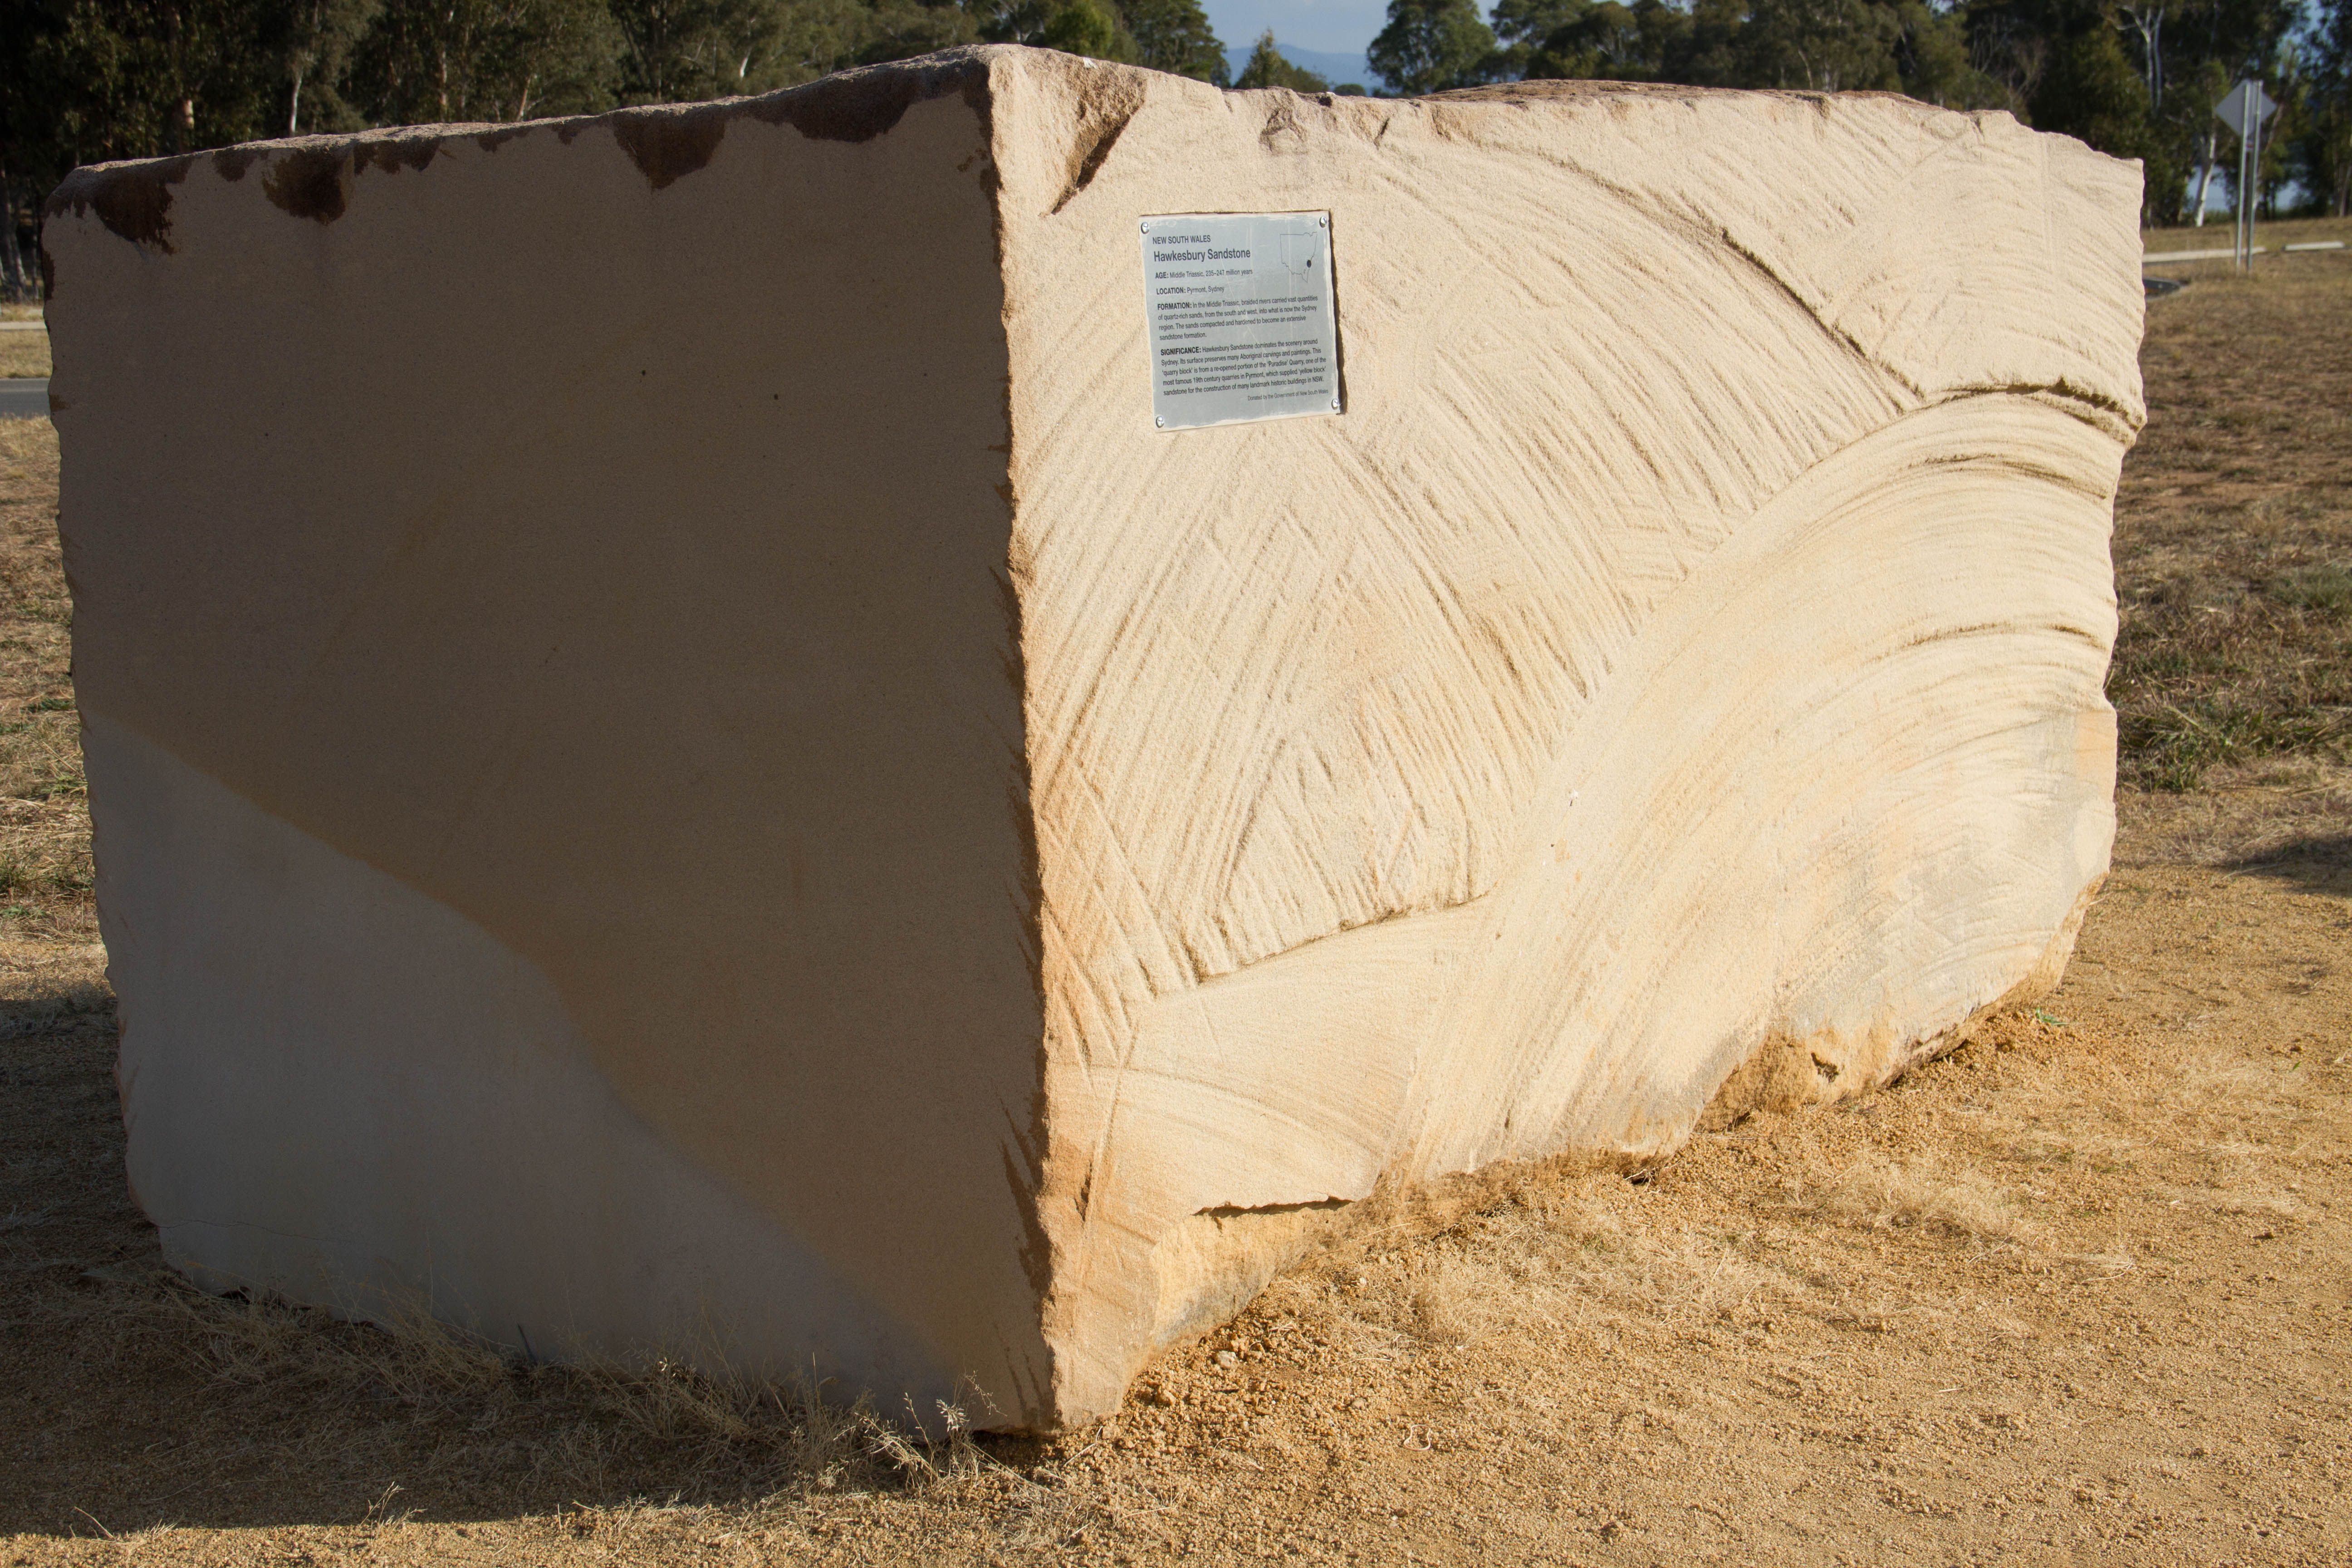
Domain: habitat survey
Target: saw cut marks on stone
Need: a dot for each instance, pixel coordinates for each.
(1242, 323)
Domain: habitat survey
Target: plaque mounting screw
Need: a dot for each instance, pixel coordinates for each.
(1162, 422)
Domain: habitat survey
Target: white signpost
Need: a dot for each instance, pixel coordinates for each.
(2243, 112)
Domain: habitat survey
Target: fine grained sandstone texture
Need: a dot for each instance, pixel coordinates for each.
(676, 762)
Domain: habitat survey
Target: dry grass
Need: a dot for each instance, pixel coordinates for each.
(2215, 236)
(2233, 538)
(24, 353)
(44, 867)
(572, 1421)
(1877, 1191)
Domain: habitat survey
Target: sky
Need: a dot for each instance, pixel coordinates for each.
(1334, 27)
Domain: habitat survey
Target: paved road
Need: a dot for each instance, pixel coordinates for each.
(23, 397)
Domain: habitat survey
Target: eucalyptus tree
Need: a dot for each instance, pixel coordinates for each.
(1430, 46)
(1175, 36)
(2323, 153)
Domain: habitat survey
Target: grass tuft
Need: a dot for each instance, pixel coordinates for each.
(2325, 590)
(1883, 1193)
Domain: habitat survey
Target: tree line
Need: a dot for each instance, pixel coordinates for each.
(83, 81)
(2134, 77)
(88, 81)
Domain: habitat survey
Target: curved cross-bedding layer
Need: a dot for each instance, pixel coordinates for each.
(1687, 648)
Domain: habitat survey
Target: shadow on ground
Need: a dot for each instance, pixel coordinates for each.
(130, 1401)
(2316, 865)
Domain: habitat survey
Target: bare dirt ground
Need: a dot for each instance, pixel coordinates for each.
(2080, 1292)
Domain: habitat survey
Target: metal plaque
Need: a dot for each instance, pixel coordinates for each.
(1241, 319)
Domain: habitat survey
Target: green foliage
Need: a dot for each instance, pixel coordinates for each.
(897, 30)
(1828, 46)
(1825, 45)
(1932, 62)
(679, 51)
(1266, 67)
(1175, 36)
(88, 81)
(321, 37)
(1091, 27)
(2322, 153)
(1528, 23)
(427, 61)
(1430, 46)
(1609, 42)
(1088, 28)
(2091, 91)
(2193, 138)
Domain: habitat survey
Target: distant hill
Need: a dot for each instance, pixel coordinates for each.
(1336, 69)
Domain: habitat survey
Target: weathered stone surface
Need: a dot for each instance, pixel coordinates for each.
(676, 762)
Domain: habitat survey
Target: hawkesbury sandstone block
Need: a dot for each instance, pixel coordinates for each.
(676, 760)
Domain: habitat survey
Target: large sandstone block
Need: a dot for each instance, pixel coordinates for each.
(676, 758)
